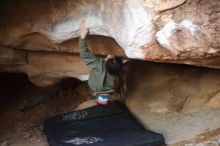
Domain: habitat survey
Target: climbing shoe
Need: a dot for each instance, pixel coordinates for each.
(102, 99)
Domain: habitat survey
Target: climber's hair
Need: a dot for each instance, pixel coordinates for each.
(114, 66)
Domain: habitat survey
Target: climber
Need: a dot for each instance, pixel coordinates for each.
(107, 75)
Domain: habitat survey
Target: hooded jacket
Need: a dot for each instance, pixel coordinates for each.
(100, 81)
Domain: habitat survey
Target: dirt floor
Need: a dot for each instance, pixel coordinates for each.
(23, 110)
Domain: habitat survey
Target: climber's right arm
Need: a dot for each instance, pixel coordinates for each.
(90, 59)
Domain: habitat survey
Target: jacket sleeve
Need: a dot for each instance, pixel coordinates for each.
(90, 59)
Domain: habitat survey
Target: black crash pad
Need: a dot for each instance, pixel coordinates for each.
(109, 125)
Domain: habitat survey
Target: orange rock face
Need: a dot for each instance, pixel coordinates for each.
(33, 33)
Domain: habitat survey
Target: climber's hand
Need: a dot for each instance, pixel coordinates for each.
(83, 29)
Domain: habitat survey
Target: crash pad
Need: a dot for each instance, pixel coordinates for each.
(108, 125)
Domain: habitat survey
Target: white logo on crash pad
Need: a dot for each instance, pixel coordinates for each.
(84, 140)
(75, 116)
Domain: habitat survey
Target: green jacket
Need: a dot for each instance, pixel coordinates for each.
(100, 81)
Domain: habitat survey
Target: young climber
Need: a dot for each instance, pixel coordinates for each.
(106, 76)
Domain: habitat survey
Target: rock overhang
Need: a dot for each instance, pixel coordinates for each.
(164, 31)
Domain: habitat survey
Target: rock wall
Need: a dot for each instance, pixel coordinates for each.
(176, 31)
(179, 101)
(45, 68)
(166, 88)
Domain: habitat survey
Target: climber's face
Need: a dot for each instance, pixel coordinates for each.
(109, 56)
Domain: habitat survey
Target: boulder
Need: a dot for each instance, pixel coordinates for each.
(175, 31)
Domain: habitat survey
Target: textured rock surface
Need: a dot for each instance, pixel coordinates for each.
(177, 31)
(178, 101)
(45, 67)
(172, 88)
